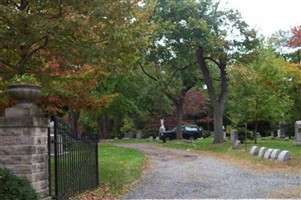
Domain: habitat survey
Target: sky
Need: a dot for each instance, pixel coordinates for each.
(268, 16)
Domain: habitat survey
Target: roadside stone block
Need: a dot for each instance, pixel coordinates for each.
(268, 153)
(275, 154)
(262, 151)
(284, 155)
(254, 150)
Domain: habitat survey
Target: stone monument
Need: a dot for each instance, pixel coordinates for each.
(162, 127)
(236, 145)
(233, 135)
(282, 127)
(297, 133)
(23, 145)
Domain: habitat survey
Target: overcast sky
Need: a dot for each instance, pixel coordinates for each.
(268, 16)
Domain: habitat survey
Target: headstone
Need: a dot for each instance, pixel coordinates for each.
(157, 138)
(284, 155)
(151, 138)
(233, 135)
(128, 135)
(282, 129)
(278, 133)
(258, 135)
(236, 145)
(275, 153)
(286, 139)
(272, 134)
(139, 136)
(262, 151)
(268, 153)
(254, 150)
(297, 133)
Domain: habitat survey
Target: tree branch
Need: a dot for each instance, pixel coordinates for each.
(211, 59)
(8, 64)
(61, 8)
(174, 74)
(145, 72)
(38, 48)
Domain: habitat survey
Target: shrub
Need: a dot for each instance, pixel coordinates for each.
(14, 187)
(151, 132)
(205, 133)
(241, 134)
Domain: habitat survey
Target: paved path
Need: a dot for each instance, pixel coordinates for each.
(179, 174)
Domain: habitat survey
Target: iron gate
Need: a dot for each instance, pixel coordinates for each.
(73, 162)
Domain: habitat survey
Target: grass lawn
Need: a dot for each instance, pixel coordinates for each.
(119, 168)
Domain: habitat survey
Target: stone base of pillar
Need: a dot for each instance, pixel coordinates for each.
(23, 150)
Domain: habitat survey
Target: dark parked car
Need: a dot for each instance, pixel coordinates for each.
(189, 132)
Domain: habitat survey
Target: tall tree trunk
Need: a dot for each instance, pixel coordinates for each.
(217, 100)
(179, 117)
(218, 124)
(255, 131)
(103, 123)
(73, 119)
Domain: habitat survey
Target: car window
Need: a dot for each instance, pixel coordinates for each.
(191, 128)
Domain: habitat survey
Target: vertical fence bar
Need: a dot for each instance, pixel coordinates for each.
(55, 158)
(97, 164)
(49, 160)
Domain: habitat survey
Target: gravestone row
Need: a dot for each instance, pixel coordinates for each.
(266, 153)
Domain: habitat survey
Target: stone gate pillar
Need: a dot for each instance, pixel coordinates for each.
(23, 146)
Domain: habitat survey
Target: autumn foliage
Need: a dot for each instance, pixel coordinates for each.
(196, 111)
(295, 40)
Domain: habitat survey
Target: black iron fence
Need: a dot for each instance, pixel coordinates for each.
(73, 162)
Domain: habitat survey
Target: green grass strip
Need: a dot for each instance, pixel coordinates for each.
(118, 167)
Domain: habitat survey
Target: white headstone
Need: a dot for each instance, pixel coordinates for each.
(278, 133)
(254, 150)
(236, 145)
(262, 151)
(284, 155)
(268, 153)
(233, 135)
(297, 133)
(275, 153)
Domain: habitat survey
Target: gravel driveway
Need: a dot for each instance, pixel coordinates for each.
(180, 174)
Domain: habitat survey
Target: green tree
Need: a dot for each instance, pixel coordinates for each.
(258, 90)
(198, 33)
(173, 67)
